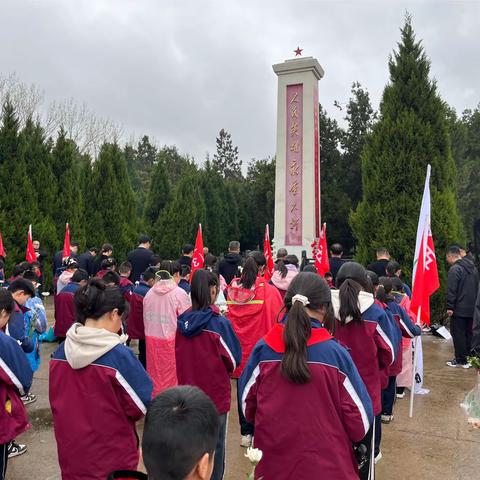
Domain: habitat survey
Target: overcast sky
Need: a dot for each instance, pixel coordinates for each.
(181, 70)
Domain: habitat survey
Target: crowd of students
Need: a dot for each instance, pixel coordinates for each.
(317, 363)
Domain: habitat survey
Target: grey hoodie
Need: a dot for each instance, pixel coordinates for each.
(84, 345)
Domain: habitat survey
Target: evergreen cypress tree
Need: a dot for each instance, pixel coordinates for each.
(111, 205)
(19, 205)
(179, 220)
(159, 192)
(412, 132)
(69, 203)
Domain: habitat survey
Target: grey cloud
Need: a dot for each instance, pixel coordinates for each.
(181, 70)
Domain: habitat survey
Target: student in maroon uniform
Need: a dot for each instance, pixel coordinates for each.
(64, 306)
(207, 351)
(135, 327)
(126, 286)
(300, 375)
(364, 328)
(96, 376)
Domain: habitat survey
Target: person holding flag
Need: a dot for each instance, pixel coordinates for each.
(425, 282)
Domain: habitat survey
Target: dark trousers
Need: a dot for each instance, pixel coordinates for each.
(461, 330)
(363, 473)
(388, 396)
(245, 427)
(3, 460)
(219, 462)
(142, 352)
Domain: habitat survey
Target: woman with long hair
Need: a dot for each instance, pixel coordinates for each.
(162, 304)
(303, 393)
(364, 328)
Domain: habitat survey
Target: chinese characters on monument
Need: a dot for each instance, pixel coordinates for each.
(294, 164)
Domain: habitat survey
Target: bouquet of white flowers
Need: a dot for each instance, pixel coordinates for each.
(471, 404)
(254, 455)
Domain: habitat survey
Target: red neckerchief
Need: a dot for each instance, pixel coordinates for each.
(274, 338)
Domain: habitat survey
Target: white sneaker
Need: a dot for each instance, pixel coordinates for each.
(378, 457)
(246, 441)
(466, 365)
(387, 418)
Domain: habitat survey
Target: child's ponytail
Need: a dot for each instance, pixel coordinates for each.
(249, 273)
(296, 333)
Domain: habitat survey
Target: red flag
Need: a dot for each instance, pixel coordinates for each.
(425, 272)
(66, 242)
(321, 255)
(267, 252)
(30, 256)
(2, 250)
(198, 258)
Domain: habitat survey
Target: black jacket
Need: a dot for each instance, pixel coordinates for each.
(185, 260)
(379, 267)
(335, 264)
(85, 262)
(462, 287)
(140, 260)
(228, 267)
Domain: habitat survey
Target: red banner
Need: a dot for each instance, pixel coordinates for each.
(198, 258)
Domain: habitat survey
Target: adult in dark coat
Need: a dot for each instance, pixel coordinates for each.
(380, 266)
(336, 260)
(462, 289)
(86, 260)
(58, 257)
(228, 267)
(187, 254)
(140, 258)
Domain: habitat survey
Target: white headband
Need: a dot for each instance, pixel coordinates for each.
(301, 299)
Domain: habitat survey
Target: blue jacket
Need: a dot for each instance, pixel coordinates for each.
(17, 328)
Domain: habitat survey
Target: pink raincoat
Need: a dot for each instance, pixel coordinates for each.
(282, 283)
(163, 303)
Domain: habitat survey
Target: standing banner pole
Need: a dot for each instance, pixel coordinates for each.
(414, 368)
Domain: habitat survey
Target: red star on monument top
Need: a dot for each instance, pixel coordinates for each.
(298, 52)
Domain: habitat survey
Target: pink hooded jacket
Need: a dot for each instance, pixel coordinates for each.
(163, 303)
(282, 283)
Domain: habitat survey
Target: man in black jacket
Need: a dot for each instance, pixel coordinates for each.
(86, 259)
(140, 258)
(380, 266)
(228, 267)
(336, 260)
(462, 288)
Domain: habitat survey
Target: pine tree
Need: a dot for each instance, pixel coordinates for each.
(19, 205)
(69, 204)
(179, 220)
(412, 132)
(159, 192)
(225, 160)
(111, 208)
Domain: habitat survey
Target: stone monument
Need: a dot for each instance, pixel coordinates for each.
(297, 178)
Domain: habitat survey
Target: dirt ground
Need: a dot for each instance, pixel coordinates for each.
(436, 444)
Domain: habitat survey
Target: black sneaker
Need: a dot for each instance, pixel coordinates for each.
(15, 449)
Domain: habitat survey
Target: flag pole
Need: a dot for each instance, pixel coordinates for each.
(414, 368)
